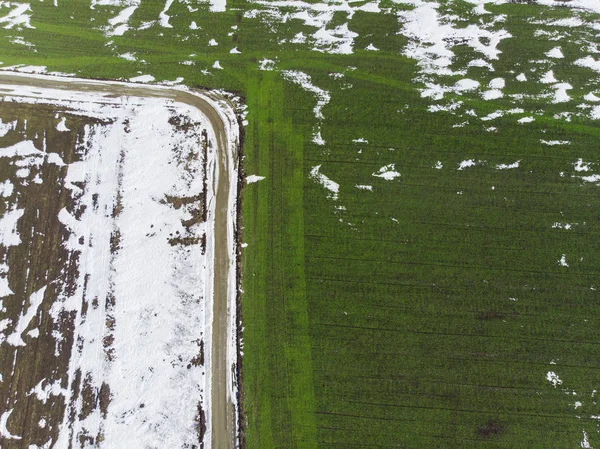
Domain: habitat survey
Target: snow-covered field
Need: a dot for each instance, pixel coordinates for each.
(133, 301)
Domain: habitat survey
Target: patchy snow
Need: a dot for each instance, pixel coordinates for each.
(19, 17)
(556, 52)
(142, 79)
(62, 127)
(163, 17)
(193, 25)
(431, 37)
(565, 226)
(3, 423)
(118, 25)
(553, 378)
(161, 290)
(35, 301)
(266, 64)
(497, 83)
(371, 47)
(480, 63)
(560, 94)
(521, 77)
(466, 164)
(305, 81)
(551, 143)
(253, 178)
(526, 120)
(217, 65)
(6, 127)
(508, 166)
(218, 5)
(465, 85)
(563, 261)
(332, 186)
(492, 94)
(212, 43)
(387, 172)
(235, 51)
(548, 77)
(128, 56)
(323, 97)
(580, 166)
(9, 236)
(585, 442)
(364, 187)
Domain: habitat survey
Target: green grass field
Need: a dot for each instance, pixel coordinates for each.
(428, 311)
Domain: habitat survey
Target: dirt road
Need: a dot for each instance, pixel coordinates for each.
(223, 417)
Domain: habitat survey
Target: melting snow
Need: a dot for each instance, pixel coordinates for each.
(553, 378)
(35, 301)
(387, 172)
(253, 178)
(508, 166)
(3, 422)
(62, 127)
(563, 261)
(18, 17)
(118, 25)
(142, 79)
(555, 53)
(330, 185)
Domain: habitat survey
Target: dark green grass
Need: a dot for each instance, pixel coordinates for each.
(426, 313)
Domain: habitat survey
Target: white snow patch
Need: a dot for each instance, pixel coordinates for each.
(466, 84)
(521, 77)
(560, 94)
(553, 378)
(466, 164)
(212, 43)
(371, 47)
(585, 442)
(128, 56)
(580, 166)
(118, 25)
(3, 422)
(563, 261)
(6, 127)
(163, 17)
(266, 64)
(142, 79)
(364, 187)
(551, 143)
(18, 17)
(235, 51)
(508, 166)
(548, 77)
(480, 63)
(492, 94)
(555, 53)
(387, 172)
(217, 65)
(333, 187)
(253, 178)
(591, 97)
(62, 127)
(35, 301)
(497, 83)
(526, 120)
(9, 236)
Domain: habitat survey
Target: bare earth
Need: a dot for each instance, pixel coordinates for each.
(223, 416)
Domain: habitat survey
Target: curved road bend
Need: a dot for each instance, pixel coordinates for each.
(223, 417)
